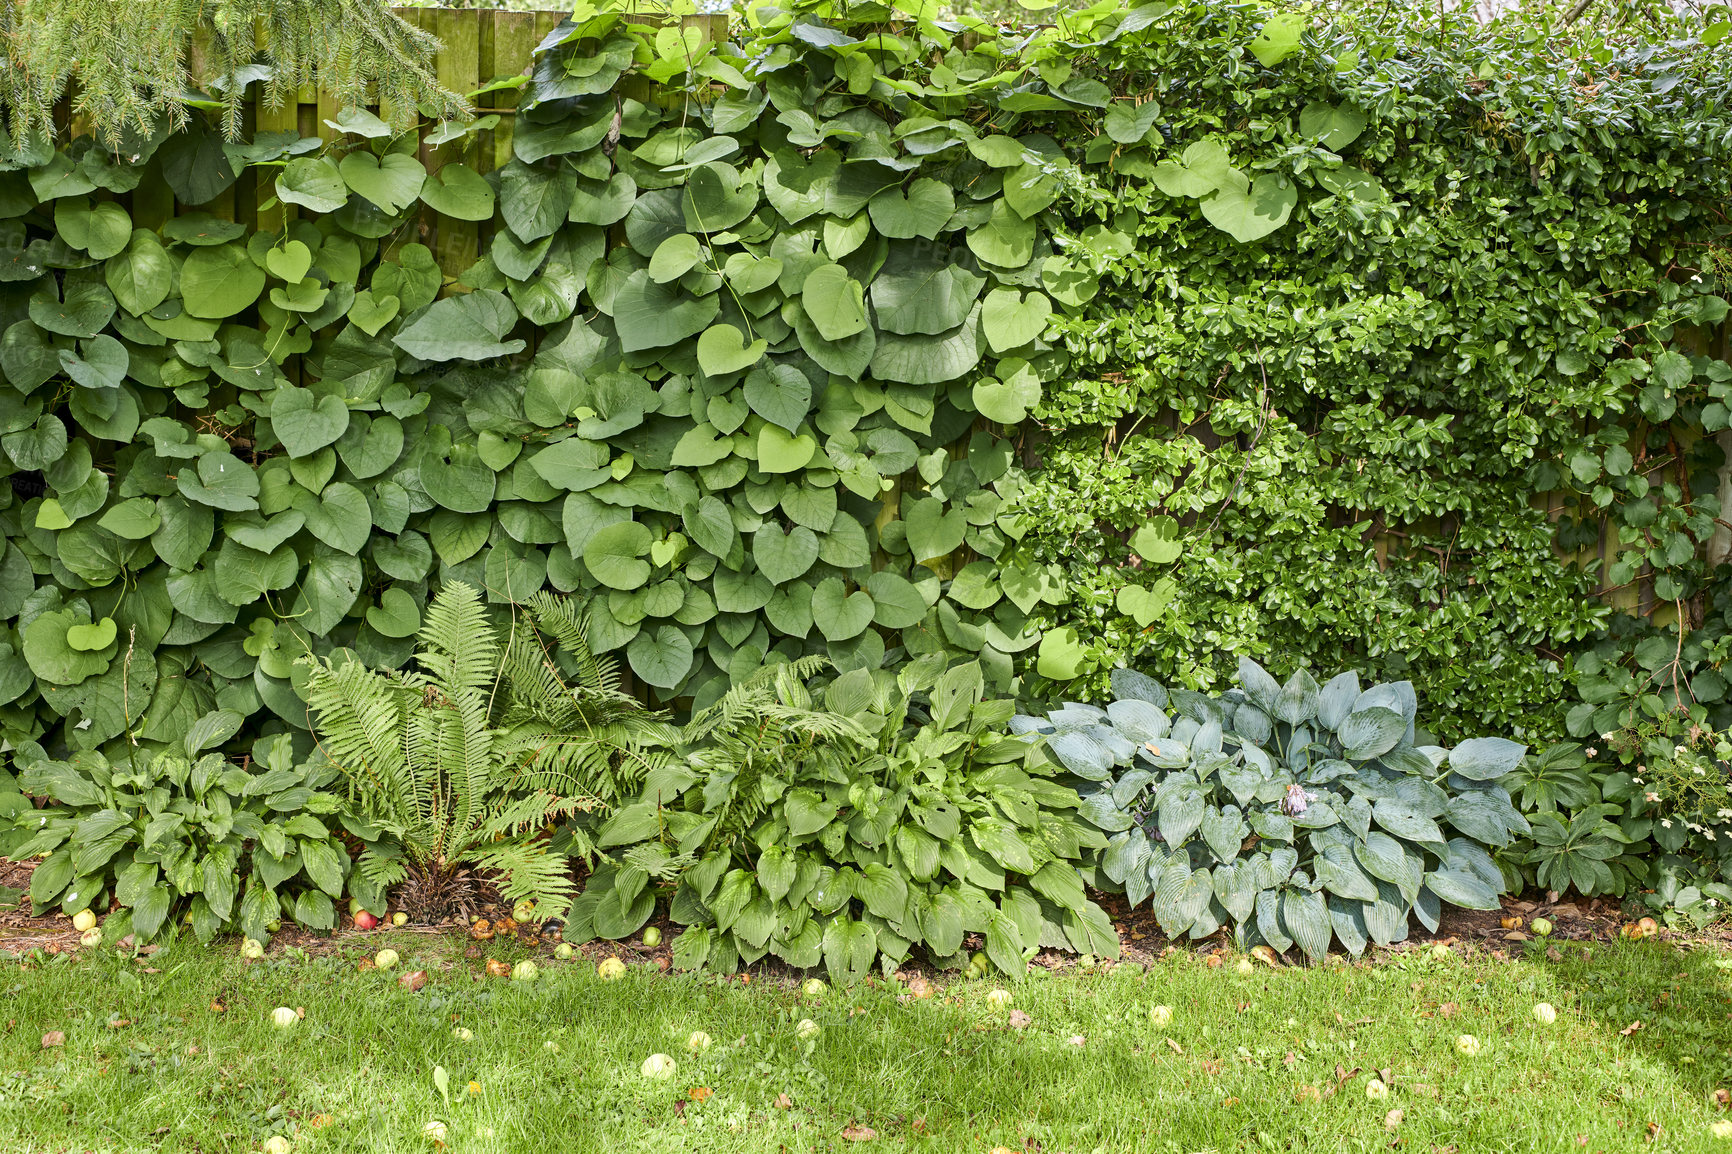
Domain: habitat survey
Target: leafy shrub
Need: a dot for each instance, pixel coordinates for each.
(1295, 813)
(228, 846)
(466, 761)
(1644, 813)
(887, 812)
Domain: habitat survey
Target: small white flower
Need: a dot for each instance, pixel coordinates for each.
(1667, 822)
(1677, 749)
(1709, 834)
(1651, 796)
(1723, 812)
(1592, 752)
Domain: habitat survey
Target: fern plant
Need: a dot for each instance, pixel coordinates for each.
(467, 759)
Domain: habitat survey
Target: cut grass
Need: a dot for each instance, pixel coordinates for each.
(1249, 1062)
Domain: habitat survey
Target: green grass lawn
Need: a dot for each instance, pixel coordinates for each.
(1276, 1060)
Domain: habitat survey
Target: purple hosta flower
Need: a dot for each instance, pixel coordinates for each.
(1296, 800)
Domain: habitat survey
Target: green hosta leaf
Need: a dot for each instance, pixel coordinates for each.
(468, 327)
(1250, 210)
(807, 811)
(849, 949)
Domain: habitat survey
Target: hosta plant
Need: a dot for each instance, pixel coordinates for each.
(886, 812)
(186, 835)
(1293, 813)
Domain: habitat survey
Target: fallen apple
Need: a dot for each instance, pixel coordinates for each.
(399, 918)
(462, 1033)
(999, 997)
(563, 951)
(610, 970)
(282, 1017)
(1467, 1045)
(525, 971)
(252, 949)
(434, 1132)
(277, 1144)
(1545, 1014)
(90, 937)
(385, 959)
(813, 987)
(498, 968)
(698, 1041)
(84, 920)
(652, 937)
(1245, 968)
(1542, 927)
(806, 1028)
(658, 1067)
(366, 921)
(413, 980)
(1376, 1090)
(523, 911)
(1161, 1016)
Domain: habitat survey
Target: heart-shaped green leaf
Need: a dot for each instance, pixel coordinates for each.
(1146, 606)
(289, 262)
(371, 313)
(614, 555)
(398, 614)
(782, 452)
(932, 531)
(722, 350)
(460, 192)
(1157, 542)
(92, 638)
(834, 301)
(306, 422)
(1061, 654)
(1200, 169)
(1251, 210)
(923, 211)
(220, 281)
(784, 556)
(392, 182)
(660, 657)
(1011, 320)
(779, 393)
(840, 615)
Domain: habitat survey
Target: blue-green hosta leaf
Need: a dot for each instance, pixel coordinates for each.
(1340, 873)
(1181, 896)
(1461, 888)
(1181, 813)
(1347, 918)
(1335, 700)
(1305, 916)
(1485, 817)
(1128, 683)
(1223, 830)
(1369, 732)
(1130, 786)
(1485, 758)
(1386, 918)
(1236, 887)
(1140, 721)
(1269, 921)
(850, 947)
(1406, 822)
(1126, 853)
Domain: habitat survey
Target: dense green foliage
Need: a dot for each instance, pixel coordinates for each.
(186, 834)
(848, 826)
(465, 760)
(1296, 813)
(1147, 338)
